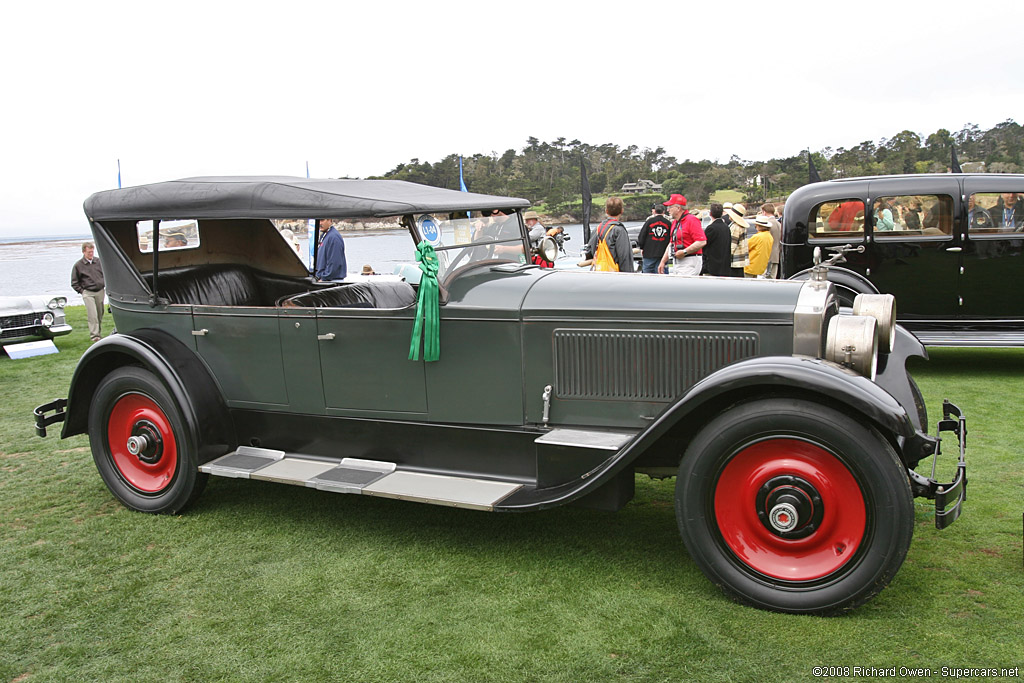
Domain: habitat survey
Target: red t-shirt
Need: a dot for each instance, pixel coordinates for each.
(686, 231)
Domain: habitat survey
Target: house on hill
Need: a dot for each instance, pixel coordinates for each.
(641, 187)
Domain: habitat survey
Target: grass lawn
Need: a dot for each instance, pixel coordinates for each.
(267, 582)
(722, 196)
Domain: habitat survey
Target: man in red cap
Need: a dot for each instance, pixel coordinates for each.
(686, 239)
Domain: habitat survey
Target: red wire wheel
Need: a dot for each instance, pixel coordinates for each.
(135, 415)
(765, 549)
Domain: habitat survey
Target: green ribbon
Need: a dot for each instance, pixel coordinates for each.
(428, 313)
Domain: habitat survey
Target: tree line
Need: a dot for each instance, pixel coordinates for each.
(548, 173)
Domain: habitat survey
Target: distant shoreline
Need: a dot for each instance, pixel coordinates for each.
(22, 239)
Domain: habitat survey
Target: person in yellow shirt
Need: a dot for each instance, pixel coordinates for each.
(760, 246)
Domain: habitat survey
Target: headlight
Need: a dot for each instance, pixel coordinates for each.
(47, 319)
(56, 302)
(853, 342)
(815, 306)
(548, 249)
(881, 307)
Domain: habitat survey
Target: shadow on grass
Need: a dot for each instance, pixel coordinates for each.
(613, 544)
(977, 362)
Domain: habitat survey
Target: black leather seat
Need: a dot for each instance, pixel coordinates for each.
(368, 294)
(210, 285)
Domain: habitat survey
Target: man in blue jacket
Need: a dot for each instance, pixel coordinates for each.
(330, 254)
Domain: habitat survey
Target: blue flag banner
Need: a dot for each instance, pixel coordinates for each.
(119, 174)
(462, 183)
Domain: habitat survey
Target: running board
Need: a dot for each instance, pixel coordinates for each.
(992, 339)
(367, 477)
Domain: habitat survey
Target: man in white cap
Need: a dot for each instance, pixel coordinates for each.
(686, 239)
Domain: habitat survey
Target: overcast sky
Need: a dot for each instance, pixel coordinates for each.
(178, 89)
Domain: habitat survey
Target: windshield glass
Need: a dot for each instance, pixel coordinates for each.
(461, 240)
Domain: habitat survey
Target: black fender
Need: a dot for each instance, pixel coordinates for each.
(892, 374)
(203, 407)
(843, 278)
(781, 375)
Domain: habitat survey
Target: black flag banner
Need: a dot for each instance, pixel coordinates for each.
(812, 172)
(954, 163)
(587, 199)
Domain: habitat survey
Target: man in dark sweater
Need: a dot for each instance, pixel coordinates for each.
(717, 252)
(612, 232)
(653, 238)
(87, 280)
(330, 255)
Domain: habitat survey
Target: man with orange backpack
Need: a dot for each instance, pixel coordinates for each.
(609, 248)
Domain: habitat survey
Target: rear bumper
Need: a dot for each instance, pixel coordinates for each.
(949, 497)
(57, 406)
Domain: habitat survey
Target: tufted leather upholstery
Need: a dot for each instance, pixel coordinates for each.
(367, 294)
(224, 285)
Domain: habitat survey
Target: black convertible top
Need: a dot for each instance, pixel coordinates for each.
(283, 197)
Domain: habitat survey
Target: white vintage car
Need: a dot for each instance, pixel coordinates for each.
(23, 318)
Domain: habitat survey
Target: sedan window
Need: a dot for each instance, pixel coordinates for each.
(912, 215)
(838, 218)
(995, 213)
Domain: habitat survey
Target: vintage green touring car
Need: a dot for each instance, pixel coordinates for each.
(490, 383)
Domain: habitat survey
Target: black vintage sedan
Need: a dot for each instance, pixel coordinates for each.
(948, 246)
(493, 384)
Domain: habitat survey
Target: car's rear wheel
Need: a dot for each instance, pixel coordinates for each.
(140, 443)
(795, 507)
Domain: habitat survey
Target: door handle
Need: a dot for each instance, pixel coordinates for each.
(954, 250)
(325, 337)
(200, 333)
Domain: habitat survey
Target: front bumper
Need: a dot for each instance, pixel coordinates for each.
(949, 497)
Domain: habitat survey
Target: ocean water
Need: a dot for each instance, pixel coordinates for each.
(43, 266)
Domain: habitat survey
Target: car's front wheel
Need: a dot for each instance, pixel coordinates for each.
(140, 444)
(792, 506)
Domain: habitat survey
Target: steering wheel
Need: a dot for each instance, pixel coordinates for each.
(478, 252)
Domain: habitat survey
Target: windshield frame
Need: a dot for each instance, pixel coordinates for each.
(462, 238)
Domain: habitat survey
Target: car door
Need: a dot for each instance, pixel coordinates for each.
(364, 359)
(914, 246)
(242, 347)
(992, 254)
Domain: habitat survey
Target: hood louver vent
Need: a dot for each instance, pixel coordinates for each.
(641, 366)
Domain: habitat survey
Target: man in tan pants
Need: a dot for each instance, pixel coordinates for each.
(87, 280)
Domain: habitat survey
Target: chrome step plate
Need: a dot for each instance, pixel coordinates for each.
(344, 479)
(242, 462)
(582, 438)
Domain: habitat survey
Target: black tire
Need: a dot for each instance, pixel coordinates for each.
(848, 493)
(163, 477)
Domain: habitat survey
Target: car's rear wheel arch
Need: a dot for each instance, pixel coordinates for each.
(192, 387)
